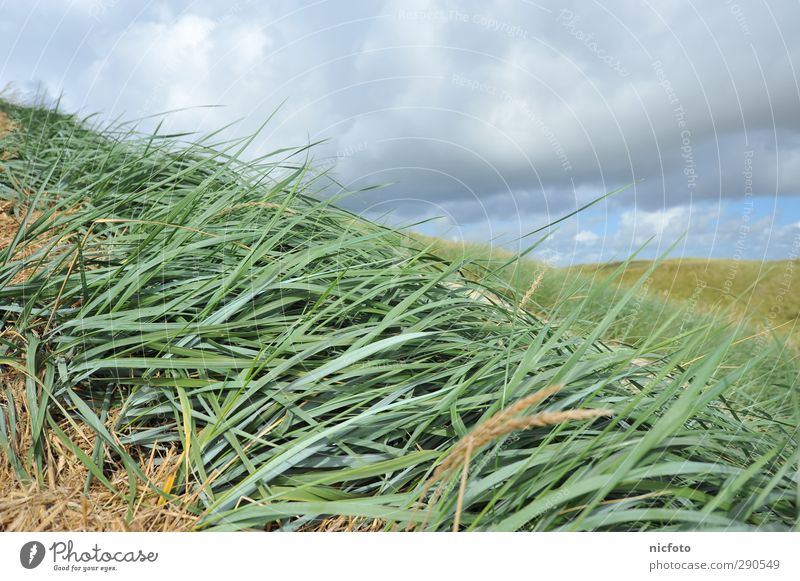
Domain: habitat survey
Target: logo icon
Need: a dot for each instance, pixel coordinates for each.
(31, 554)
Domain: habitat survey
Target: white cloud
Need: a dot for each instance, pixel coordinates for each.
(586, 237)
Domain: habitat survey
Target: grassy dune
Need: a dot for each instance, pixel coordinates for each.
(761, 293)
(198, 341)
(752, 302)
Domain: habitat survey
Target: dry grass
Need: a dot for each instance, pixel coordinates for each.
(9, 221)
(8, 225)
(532, 289)
(501, 424)
(11, 218)
(57, 501)
(348, 524)
(64, 507)
(5, 126)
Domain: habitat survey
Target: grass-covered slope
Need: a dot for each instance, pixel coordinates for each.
(201, 334)
(752, 302)
(760, 292)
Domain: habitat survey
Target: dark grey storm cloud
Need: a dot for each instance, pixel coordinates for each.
(504, 113)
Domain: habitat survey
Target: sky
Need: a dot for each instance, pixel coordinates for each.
(483, 121)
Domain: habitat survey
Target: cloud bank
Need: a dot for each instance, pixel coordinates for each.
(496, 117)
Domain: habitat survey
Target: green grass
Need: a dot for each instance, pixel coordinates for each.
(678, 297)
(309, 363)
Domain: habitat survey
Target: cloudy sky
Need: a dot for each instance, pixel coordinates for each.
(486, 120)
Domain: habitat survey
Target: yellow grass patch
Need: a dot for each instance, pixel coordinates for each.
(57, 501)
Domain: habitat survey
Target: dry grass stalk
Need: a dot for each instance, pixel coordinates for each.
(347, 524)
(57, 502)
(531, 289)
(501, 424)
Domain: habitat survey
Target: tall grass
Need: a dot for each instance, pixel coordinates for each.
(765, 345)
(307, 363)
